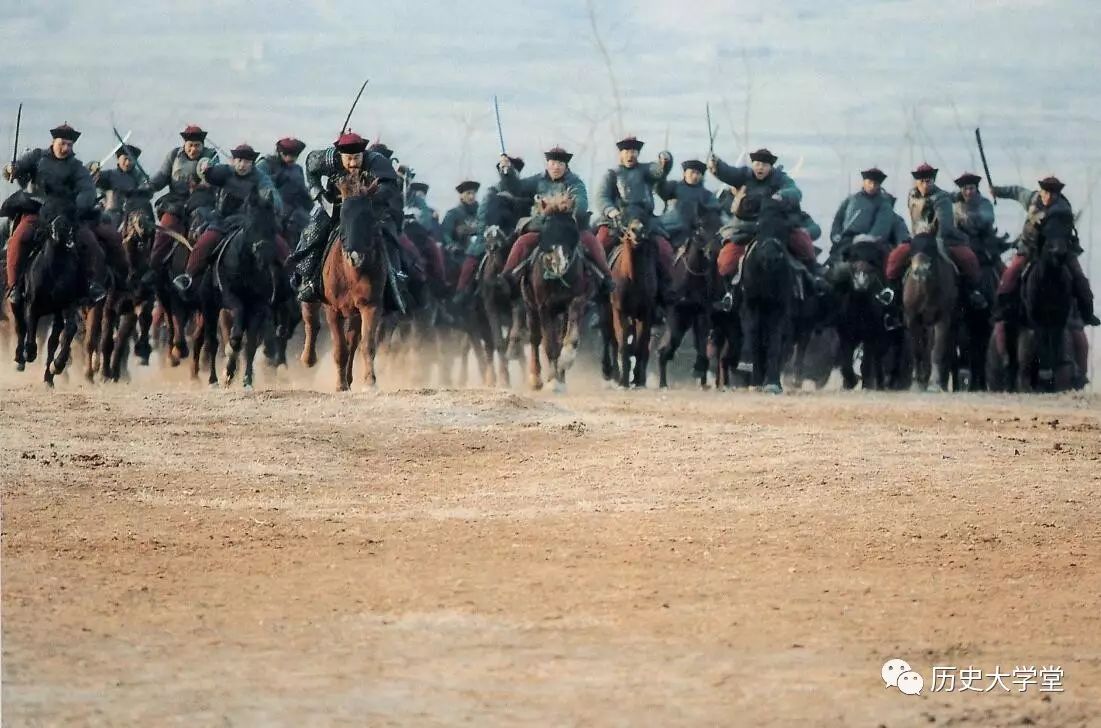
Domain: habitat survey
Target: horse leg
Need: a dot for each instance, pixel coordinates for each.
(65, 347)
(336, 332)
(196, 347)
(1026, 353)
(779, 323)
(18, 318)
(535, 332)
(178, 329)
(571, 339)
(126, 323)
(352, 326)
(845, 360)
(235, 337)
(142, 347)
(670, 342)
(107, 337)
(93, 321)
(256, 320)
(942, 354)
(310, 324)
(51, 347)
(371, 329)
(619, 329)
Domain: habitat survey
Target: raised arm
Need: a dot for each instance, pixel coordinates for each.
(1022, 195)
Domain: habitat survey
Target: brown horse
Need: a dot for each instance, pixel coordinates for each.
(500, 321)
(554, 289)
(929, 297)
(354, 283)
(633, 300)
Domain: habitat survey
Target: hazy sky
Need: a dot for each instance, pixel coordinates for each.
(839, 86)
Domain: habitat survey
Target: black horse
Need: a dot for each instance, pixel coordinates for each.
(860, 321)
(767, 283)
(54, 285)
(241, 283)
(694, 287)
(1037, 347)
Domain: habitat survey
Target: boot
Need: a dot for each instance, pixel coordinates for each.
(96, 291)
(307, 292)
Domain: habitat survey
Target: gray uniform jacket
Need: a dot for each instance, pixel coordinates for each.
(626, 186)
(48, 178)
(541, 185)
(933, 213)
(686, 204)
(743, 226)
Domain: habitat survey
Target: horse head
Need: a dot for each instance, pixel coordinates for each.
(358, 217)
(1057, 237)
(60, 224)
(866, 260)
(496, 238)
(560, 234)
(923, 262)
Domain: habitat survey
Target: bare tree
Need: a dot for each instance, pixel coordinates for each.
(606, 57)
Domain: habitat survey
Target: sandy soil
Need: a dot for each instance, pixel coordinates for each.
(174, 555)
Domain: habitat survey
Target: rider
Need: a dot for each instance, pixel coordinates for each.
(931, 212)
(117, 184)
(460, 222)
(557, 179)
(188, 199)
(631, 184)
(869, 212)
(54, 174)
(289, 180)
(348, 155)
(756, 182)
(237, 182)
(477, 247)
(687, 200)
(1039, 204)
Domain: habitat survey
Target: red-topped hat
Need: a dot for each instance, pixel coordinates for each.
(925, 171)
(350, 143)
(244, 151)
(193, 133)
(629, 142)
(65, 132)
(290, 145)
(968, 178)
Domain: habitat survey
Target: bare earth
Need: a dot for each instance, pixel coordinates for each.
(179, 556)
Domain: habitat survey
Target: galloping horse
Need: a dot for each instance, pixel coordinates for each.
(633, 300)
(500, 320)
(929, 297)
(767, 283)
(860, 319)
(354, 277)
(54, 284)
(240, 284)
(554, 288)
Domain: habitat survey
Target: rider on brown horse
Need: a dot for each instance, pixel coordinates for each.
(476, 248)
(119, 183)
(556, 180)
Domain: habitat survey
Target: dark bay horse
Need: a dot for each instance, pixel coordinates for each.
(633, 300)
(54, 285)
(554, 288)
(767, 283)
(500, 319)
(238, 290)
(860, 319)
(930, 293)
(354, 277)
(695, 286)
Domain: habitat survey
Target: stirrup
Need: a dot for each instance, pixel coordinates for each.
(886, 296)
(182, 282)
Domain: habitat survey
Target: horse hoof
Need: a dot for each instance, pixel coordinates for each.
(772, 389)
(213, 385)
(559, 387)
(20, 366)
(50, 383)
(248, 386)
(308, 361)
(536, 384)
(934, 389)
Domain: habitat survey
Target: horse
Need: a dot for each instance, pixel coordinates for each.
(633, 301)
(128, 307)
(176, 310)
(860, 320)
(54, 285)
(554, 289)
(694, 286)
(1046, 300)
(499, 322)
(930, 293)
(354, 283)
(237, 292)
(767, 281)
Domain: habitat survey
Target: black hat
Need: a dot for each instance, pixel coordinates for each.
(629, 142)
(763, 155)
(129, 150)
(244, 151)
(290, 145)
(517, 164)
(558, 154)
(382, 149)
(65, 132)
(467, 185)
(193, 133)
(418, 187)
(693, 164)
(875, 174)
(968, 178)
(925, 171)
(1051, 183)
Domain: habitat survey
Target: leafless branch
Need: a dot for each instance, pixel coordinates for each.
(607, 59)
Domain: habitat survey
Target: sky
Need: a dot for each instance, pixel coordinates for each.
(829, 87)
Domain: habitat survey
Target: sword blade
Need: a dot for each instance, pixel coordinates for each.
(985, 166)
(500, 133)
(348, 118)
(18, 121)
(117, 147)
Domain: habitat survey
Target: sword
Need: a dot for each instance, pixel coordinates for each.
(985, 166)
(349, 116)
(500, 134)
(137, 164)
(15, 148)
(117, 147)
(711, 131)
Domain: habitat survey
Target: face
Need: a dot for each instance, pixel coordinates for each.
(968, 192)
(242, 166)
(924, 186)
(556, 169)
(761, 169)
(288, 158)
(871, 187)
(61, 148)
(192, 149)
(628, 157)
(1046, 197)
(352, 161)
(692, 176)
(125, 163)
(469, 197)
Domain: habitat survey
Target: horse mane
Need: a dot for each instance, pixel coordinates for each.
(356, 185)
(559, 204)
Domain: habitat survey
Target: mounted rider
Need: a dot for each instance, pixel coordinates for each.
(416, 206)
(869, 213)
(189, 200)
(120, 183)
(237, 182)
(460, 223)
(687, 201)
(754, 183)
(54, 174)
(632, 185)
(931, 212)
(290, 181)
(557, 179)
(1039, 204)
(348, 155)
(477, 246)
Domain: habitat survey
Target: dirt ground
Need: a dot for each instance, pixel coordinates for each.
(179, 556)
